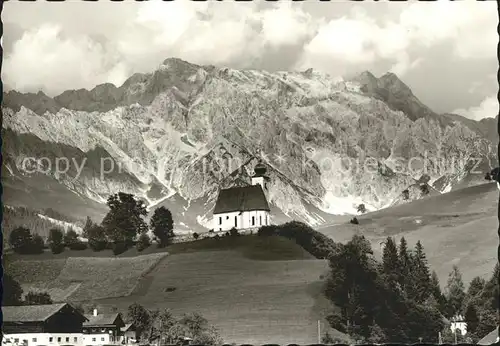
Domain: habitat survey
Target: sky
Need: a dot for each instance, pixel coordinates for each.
(444, 51)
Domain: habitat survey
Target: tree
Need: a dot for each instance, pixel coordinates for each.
(162, 225)
(143, 242)
(405, 263)
(37, 298)
(12, 291)
(125, 218)
(56, 237)
(88, 225)
(97, 238)
(361, 208)
(70, 238)
(140, 317)
(20, 240)
(390, 261)
(436, 293)
(37, 244)
(455, 291)
(471, 318)
(196, 235)
(406, 194)
(420, 275)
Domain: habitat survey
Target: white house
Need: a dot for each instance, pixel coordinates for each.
(103, 329)
(458, 322)
(42, 325)
(243, 207)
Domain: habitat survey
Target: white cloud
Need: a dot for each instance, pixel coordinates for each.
(488, 108)
(286, 24)
(236, 34)
(343, 43)
(44, 59)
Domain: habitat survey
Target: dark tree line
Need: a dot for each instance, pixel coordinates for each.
(123, 225)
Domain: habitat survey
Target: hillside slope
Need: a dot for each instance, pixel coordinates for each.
(254, 289)
(459, 227)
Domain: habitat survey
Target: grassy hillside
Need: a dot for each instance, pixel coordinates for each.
(459, 227)
(254, 289)
(82, 278)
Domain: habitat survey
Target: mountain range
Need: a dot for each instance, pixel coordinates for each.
(179, 134)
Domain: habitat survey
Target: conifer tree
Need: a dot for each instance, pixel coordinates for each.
(404, 261)
(420, 274)
(390, 261)
(455, 291)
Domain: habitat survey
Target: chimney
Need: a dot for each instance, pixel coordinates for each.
(95, 312)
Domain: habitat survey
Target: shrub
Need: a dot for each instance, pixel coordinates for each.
(424, 188)
(267, 231)
(354, 221)
(37, 245)
(143, 242)
(406, 194)
(119, 247)
(20, 240)
(97, 238)
(78, 246)
(56, 244)
(196, 235)
(233, 232)
(314, 242)
(37, 298)
(361, 208)
(70, 237)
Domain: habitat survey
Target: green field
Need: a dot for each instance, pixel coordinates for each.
(459, 228)
(253, 289)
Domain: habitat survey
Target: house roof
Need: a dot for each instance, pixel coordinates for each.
(31, 313)
(244, 198)
(489, 339)
(126, 327)
(101, 320)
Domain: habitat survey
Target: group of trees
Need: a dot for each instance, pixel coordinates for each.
(125, 224)
(399, 299)
(162, 325)
(22, 241)
(13, 294)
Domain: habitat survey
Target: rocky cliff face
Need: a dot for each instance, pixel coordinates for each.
(175, 136)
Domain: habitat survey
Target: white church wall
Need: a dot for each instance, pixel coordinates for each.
(247, 219)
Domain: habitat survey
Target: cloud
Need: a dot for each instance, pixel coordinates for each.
(342, 44)
(488, 108)
(61, 53)
(44, 59)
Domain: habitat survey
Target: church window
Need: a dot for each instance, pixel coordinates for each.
(235, 221)
(220, 220)
(253, 220)
(260, 220)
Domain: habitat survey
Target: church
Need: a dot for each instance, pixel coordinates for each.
(243, 207)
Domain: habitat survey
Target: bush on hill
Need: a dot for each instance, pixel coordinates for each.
(37, 298)
(143, 242)
(23, 242)
(70, 237)
(314, 242)
(97, 237)
(55, 240)
(233, 232)
(119, 247)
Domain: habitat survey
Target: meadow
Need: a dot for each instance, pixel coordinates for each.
(253, 289)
